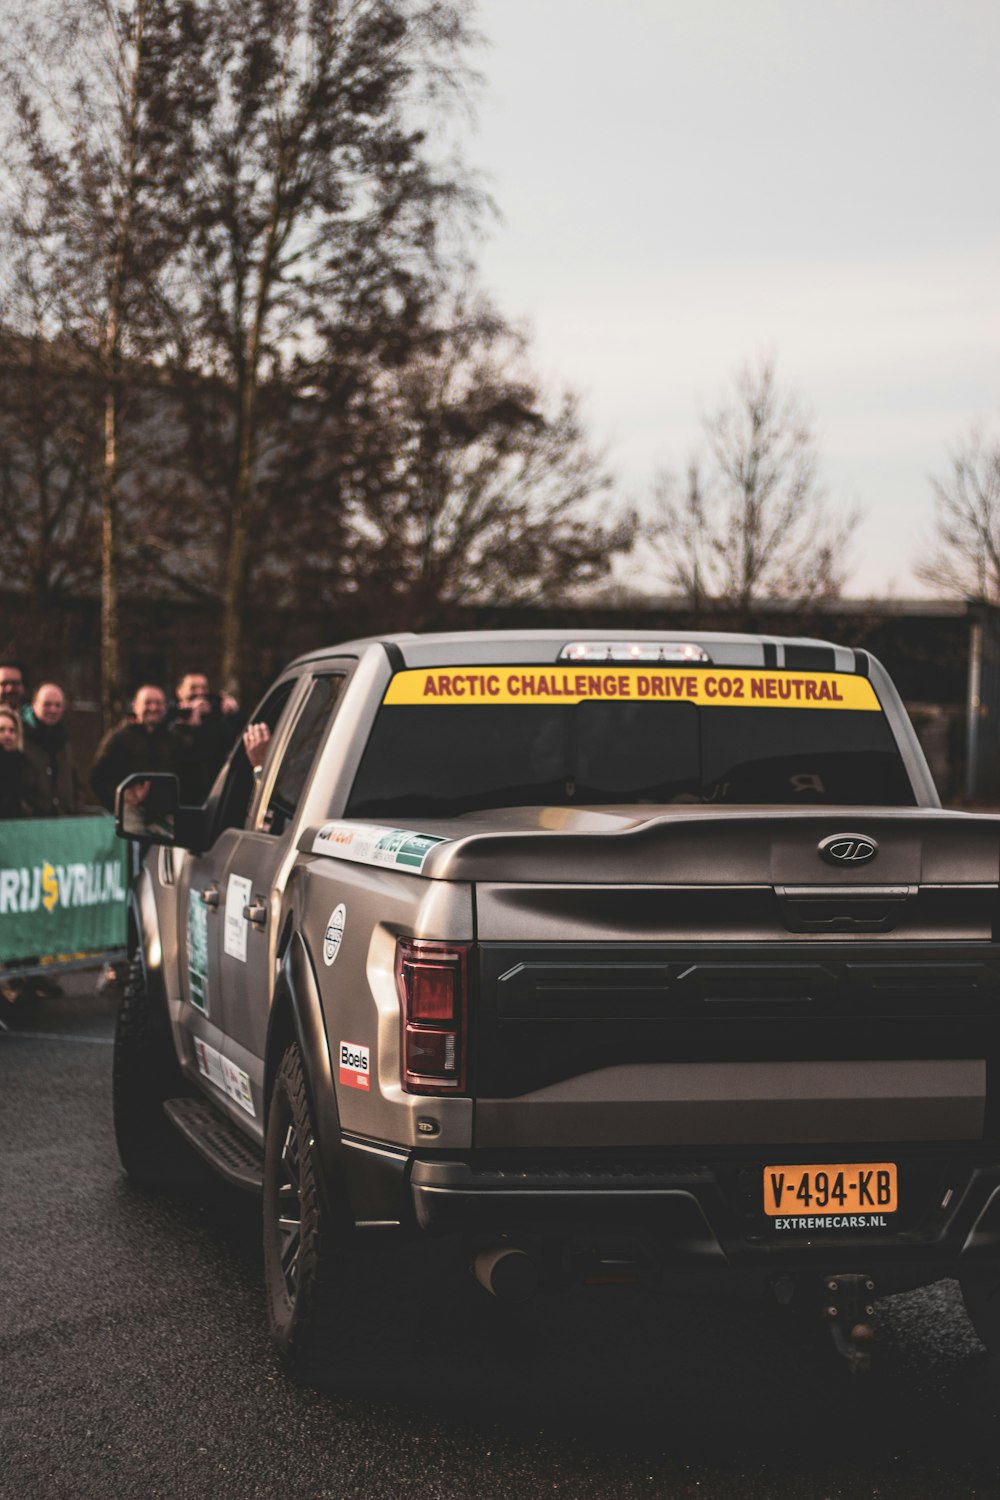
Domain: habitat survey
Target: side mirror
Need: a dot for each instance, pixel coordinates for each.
(146, 808)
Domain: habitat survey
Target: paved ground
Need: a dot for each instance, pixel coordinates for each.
(133, 1359)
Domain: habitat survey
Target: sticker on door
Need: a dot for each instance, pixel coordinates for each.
(237, 896)
(197, 952)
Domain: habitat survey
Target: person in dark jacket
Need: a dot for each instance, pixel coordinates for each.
(12, 679)
(142, 742)
(48, 748)
(205, 725)
(18, 789)
(17, 797)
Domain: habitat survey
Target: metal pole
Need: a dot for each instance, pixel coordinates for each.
(972, 708)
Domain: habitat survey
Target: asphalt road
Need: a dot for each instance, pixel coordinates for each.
(134, 1361)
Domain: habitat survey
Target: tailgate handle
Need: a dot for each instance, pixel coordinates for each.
(842, 908)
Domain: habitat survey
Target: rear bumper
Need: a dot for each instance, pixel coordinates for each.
(700, 1216)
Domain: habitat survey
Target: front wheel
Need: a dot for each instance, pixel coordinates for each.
(145, 1073)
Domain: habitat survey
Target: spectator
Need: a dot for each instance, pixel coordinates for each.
(206, 726)
(48, 748)
(195, 685)
(18, 791)
(142, 742)
(12, 679)
(17, 799)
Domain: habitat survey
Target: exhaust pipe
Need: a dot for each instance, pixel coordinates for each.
(506, 1272)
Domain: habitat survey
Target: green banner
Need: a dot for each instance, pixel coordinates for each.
(63, 887)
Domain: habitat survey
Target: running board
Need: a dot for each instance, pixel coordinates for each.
(225, 1148)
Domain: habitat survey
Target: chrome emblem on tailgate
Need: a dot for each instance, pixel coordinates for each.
(847, 849)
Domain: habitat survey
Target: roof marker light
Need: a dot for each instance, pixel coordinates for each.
(633, 651)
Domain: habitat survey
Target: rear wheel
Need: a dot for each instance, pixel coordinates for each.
(981, 1295)
(145, 1073)
(308, 1257)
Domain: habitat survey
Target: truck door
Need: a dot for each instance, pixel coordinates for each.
(201, 901)
(252, 883)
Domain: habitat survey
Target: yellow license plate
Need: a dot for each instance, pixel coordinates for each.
(866, 1187)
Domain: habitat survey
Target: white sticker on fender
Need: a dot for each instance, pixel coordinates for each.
(334, 933)
(371, 844)
(355, 1065)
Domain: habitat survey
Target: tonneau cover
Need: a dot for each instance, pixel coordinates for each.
(678, 845)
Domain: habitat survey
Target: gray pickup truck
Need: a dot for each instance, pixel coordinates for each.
(628, 960)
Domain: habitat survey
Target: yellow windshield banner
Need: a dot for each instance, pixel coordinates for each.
(708, 687)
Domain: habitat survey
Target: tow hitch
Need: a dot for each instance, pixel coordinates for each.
(849, 1309)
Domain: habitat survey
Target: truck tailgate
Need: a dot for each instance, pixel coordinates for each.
(768, 997)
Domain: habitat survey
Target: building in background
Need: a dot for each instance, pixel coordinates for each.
(943, 655)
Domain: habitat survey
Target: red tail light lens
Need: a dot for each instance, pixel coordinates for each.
(432, 984)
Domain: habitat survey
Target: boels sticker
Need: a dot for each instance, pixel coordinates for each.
(355, 1065)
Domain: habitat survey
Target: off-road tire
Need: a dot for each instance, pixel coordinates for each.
(308, 1269)
(981, 1295)
(145, 1073)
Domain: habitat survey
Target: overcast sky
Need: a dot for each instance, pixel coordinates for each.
(689, 184)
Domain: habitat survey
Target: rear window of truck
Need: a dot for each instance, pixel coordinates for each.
(450, 758)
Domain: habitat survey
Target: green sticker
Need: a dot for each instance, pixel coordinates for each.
(414, 850)
(371, 844)
(197, 951)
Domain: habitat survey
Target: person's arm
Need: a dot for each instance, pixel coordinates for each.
(256, 738)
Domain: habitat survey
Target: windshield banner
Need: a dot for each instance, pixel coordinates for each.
(714, 688)
(63, 887)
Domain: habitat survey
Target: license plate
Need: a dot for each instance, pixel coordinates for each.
(867, 1187)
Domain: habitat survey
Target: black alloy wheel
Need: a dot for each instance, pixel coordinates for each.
(343, 1303)
(307, 1255)
(289, 1209)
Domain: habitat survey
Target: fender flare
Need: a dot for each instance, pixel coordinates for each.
(297, 1014)
(360, 1186)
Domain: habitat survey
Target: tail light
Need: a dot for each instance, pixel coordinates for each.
(432, 984)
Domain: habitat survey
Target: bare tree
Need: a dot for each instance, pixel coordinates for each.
(99, 95)
(240, 231)
(318, 209)
(49, 499)
(752, 522)
(457, 481)
(965, 555)
(680, 534)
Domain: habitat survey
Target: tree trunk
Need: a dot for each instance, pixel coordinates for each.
(111, 685)
(235, 596)
(110, 635)
(238, 558)
(241, 513)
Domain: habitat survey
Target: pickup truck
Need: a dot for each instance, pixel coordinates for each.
(648, 960)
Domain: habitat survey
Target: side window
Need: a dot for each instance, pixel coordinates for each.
(300, 752)
(237, 791)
